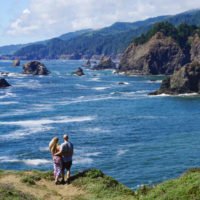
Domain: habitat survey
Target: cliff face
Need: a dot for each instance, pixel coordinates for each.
(160, 55)
(195, 48)
(186, 80)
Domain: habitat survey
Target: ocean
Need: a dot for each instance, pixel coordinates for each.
(117, 128)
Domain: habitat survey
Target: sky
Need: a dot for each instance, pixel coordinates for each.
(24, 21)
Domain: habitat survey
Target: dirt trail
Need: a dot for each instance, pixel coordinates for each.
(43, 189)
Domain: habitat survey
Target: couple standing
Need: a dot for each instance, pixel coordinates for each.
(62, 158)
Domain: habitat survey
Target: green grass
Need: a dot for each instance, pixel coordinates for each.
(8, 192)
(186, 187)
(35, 176)
(100, 186)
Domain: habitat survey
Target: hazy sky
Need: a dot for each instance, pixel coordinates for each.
(25, 21)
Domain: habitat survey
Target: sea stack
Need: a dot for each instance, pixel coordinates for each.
(79, 72)
(186, 80)
(35, 68)
(105, 63)
(87, 64)
(4, 83)
(16, 63)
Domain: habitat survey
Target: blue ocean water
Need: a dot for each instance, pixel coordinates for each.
(119, 129)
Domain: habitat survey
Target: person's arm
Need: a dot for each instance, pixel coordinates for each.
(59, 153)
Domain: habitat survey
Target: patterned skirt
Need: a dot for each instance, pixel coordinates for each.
(57, 164)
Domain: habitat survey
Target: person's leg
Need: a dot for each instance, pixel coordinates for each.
(69, 164)
(63, 173)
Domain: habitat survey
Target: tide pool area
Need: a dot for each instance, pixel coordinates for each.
(117, 128)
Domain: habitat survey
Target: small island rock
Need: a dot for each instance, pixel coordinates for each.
(4, 83)
(35, 68)
(87, 64)
(79, 72)
(186, 80)
(105, 63)
(16, 63)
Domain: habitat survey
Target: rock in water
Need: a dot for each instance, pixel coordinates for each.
(105, 63)
(4, 83)
(160, 55)
(16, 63)
(79, 72)
(88, 63)
(186, 80)
(35, 68)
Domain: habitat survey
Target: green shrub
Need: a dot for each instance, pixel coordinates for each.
(8, 192)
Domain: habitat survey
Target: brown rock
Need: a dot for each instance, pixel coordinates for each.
(79, 72)
(105, 63)
(35, 68)
(195, 48)
(160, 55)
(186, 80)
(16, 63)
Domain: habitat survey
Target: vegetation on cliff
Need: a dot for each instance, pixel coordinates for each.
(93, 184)
(180, 34)
(111, 40)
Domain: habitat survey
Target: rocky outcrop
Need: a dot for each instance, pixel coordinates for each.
(195, 48)
(105, 63)
(186, 80)
(160, 55)
(16, 63)
(35, 68)
(4, 83)
(87, 64)
(79, 72)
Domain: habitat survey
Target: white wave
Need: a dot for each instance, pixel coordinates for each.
(124, 83)
(176, 95)
(121, 152)
(37, 126)
(44, 149)
(149, 117)
(79, 86)
(8, 95)
(82, 161)
(96, 79)
(188, 94)
(18, 134)
(153, 81)
(100, 88)
(9, 102)
(93, 154)
(34, 162)
(88, 99)
(95, 130)
(33, 109)
(61, 119)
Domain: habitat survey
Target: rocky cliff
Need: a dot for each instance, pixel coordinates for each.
(195, 48)
(160, 55)
(186, 80)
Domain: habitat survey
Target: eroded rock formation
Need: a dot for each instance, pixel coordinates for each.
(160, 55)
(35, 68)
(79, 72)
(186, 80)
(105, 63)
(4, 83)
